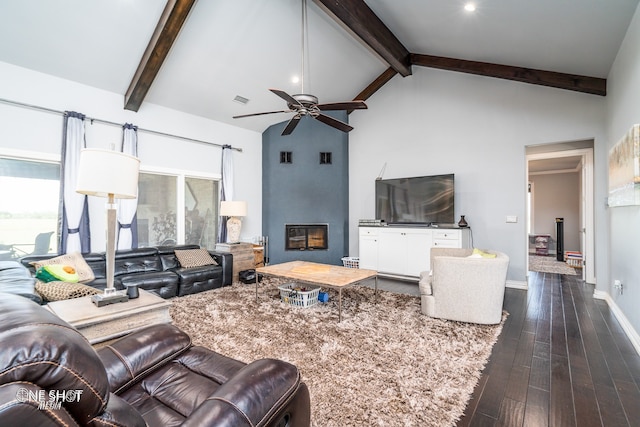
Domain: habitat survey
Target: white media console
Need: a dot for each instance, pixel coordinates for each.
(405, 251)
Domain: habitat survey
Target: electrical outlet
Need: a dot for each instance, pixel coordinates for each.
(617, 284)
(512, 218)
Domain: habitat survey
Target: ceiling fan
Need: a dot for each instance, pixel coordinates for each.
(304, 104)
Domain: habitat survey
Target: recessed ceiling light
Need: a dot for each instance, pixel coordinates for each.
(470, 7)
(295, 79)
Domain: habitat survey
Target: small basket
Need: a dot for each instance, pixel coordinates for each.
(290, 295)
(351, 262)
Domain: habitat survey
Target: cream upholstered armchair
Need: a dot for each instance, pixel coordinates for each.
(463, 288)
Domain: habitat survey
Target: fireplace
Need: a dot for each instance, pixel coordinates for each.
(303, 237)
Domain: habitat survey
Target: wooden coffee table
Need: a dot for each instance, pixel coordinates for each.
(331, 276)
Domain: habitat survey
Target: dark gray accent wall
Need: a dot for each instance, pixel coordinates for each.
(306, 191)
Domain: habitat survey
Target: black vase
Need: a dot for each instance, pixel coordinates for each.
(463, 222)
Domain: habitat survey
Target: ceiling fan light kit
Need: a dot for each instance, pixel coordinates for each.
(304, 104)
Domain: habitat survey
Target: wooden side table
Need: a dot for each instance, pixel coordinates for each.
(258, 256)
(100, 324)
(243, 257)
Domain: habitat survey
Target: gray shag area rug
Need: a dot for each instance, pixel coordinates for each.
(546, 264)
(385, 364)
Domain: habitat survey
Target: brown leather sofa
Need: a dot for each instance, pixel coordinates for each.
(50, 376)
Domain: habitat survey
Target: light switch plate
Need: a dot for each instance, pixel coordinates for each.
(512, 218)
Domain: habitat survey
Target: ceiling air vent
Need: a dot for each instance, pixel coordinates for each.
(240, 99)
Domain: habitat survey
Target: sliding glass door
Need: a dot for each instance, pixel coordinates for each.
(29, 207)
(175, 209)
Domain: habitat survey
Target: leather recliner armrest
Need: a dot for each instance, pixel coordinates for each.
(17, 409)
(15, 278)
(40, 348)
(28, 259)
(263, 393)
(131, 357)
(224, 259)
(118, 413)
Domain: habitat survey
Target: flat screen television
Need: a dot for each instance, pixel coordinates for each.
(417, 200)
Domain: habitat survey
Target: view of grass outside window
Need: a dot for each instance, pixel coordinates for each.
(29, 203)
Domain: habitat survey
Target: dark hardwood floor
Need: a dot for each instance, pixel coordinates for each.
(562, 360)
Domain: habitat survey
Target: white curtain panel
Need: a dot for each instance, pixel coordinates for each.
(127, 207)
(227, 173)
(226, 189)
(73, 201)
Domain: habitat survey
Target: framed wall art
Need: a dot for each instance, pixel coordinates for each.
(624, 170)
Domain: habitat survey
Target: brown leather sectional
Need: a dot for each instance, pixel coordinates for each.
(51, 376)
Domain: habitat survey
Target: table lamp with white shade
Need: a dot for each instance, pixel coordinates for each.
(233, 210)
(114, 175)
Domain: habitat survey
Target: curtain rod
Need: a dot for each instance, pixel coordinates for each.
(107, 122)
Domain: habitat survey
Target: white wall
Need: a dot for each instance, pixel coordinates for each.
(623, 99)
(36, 133)
(437, 122)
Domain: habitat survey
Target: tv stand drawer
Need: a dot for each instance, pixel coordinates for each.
(446, 235)
(443, 243)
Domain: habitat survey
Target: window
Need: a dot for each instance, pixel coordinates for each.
(164, 220)
(29, 205)
(325, 158)
(285, 157)
(157, 207)
(201, 217)
(172, 208)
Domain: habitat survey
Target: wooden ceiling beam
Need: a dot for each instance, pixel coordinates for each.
(361, 21)
(373, 87)
(173, 17)
(591, 85)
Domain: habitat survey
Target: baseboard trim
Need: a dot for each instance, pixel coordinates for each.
(517, 284)
(398, 276)
(632, 334)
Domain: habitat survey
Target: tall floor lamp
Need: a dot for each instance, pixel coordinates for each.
(113, 175)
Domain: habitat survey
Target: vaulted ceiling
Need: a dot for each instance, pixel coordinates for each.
(197, 56)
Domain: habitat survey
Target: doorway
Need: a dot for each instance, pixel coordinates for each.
(568, 163)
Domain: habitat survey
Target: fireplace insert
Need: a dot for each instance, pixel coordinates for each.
(302, 237)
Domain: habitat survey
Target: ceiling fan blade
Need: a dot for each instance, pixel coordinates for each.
(261, 114)
(349, 105)
(334, 122)
(284, 95)
(291, 125)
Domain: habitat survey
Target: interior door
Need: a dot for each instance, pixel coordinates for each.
(583, 215)
(586, 209)
(588, 237)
